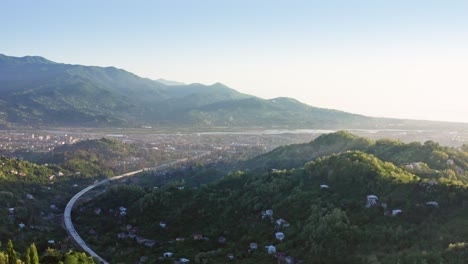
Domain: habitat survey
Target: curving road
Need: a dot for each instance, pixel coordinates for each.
(68, 209)
(67, 215)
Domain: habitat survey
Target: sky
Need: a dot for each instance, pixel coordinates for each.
(396, 58)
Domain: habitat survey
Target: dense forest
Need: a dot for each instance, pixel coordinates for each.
(428, 160)
(354, 206)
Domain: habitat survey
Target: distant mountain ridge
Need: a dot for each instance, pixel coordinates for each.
(38, 92)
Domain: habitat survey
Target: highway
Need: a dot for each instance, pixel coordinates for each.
(68, 209)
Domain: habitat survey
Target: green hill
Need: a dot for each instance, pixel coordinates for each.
(325, 225)
(428, 160)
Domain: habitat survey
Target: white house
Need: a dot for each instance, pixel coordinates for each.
(433, 203)
(168, 255)
(279, 236)
(396, 211)
(253, 245)
(323, 186)
(271, 249)
(371, 200)
(184, 260)
(162, 224)
(21, 225)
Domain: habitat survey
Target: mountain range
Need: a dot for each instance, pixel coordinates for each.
(37, 92)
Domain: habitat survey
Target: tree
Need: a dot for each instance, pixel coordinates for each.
(31, 255)
(11, 253)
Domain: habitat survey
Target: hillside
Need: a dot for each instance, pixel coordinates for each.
(36, 92)
(320, 225)
(104, 157)
(428, 160)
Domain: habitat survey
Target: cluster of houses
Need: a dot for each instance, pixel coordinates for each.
(280, 224)
(131, 233)
(372, 200)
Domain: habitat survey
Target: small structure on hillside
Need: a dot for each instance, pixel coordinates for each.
(162, 224)
(197, 236)
(253, 246)
(281, 223)
(168, 255)
(222, 240)
(271, 249)
(433, 203)
(396, 211)
(371, 200)
(324, 186)
(279, 236)
(267, 214)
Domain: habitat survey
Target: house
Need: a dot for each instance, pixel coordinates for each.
(149, 243)
(267, 213)
(143, 259)
(433, 203)
(230, 256)
(384, 205)
(51, 242)
(323, 186)
(221, 240)
(253, 245)
(53, 207)
(180, 239)
(11, 211)
(168, 255)
(123, 211)
(271, 249)
(279, 236)
(396, 211)
(450, 162)
(162, 224)
(371, 200)
(121, 235)
(282, 223)
(75, 185)
(197, 236)
(140, 240)
(184, 260)
(97, 211)
(29, 196)
(21, 226)
(289, 260)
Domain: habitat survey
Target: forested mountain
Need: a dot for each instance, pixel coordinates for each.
(320, 213)
(428, 160)
(39, 92)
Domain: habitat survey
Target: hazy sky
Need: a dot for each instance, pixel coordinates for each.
(392, 58)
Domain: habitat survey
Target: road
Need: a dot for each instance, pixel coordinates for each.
(68, 209)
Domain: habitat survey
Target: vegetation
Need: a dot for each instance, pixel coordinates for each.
(430, 160)
(103, 157)
(38, 92)
(416, 219)
(50, 256)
